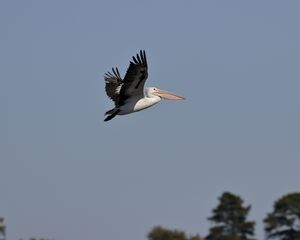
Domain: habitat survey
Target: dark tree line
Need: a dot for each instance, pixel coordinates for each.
(229, 221)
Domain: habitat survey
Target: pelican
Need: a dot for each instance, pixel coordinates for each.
(129, 94)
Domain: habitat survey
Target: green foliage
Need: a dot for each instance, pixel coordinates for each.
(229, 219)
(284, 221)
(160, 233)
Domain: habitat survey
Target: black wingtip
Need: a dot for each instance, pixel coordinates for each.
(114, 71)
(115, 74)
(134, 60)
(118, 72)
(143, 54)
(139, 59)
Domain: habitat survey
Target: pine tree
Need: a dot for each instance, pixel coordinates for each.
(229, 220)
(284, 221)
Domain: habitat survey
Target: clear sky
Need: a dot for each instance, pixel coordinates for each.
(65, 174)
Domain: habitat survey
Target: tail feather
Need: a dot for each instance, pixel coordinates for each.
(112, 113)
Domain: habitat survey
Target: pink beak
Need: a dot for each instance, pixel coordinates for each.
(167, 95)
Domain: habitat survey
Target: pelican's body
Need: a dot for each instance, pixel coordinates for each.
(138, 103)
(129, 94)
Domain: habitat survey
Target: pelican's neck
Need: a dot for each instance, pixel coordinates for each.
(151, 98)
(146, 92)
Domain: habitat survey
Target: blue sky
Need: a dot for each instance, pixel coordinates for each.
(65, 174)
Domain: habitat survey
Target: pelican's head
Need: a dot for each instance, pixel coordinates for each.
(154, 91)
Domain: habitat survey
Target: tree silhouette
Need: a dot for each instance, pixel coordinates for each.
(284, 222)
(229, 220)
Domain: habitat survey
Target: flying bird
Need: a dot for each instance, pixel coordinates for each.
(129, 94)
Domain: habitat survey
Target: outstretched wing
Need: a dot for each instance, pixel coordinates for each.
(113, 83)
(135, 78)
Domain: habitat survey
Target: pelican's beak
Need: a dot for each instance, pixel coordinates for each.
(167, 95)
